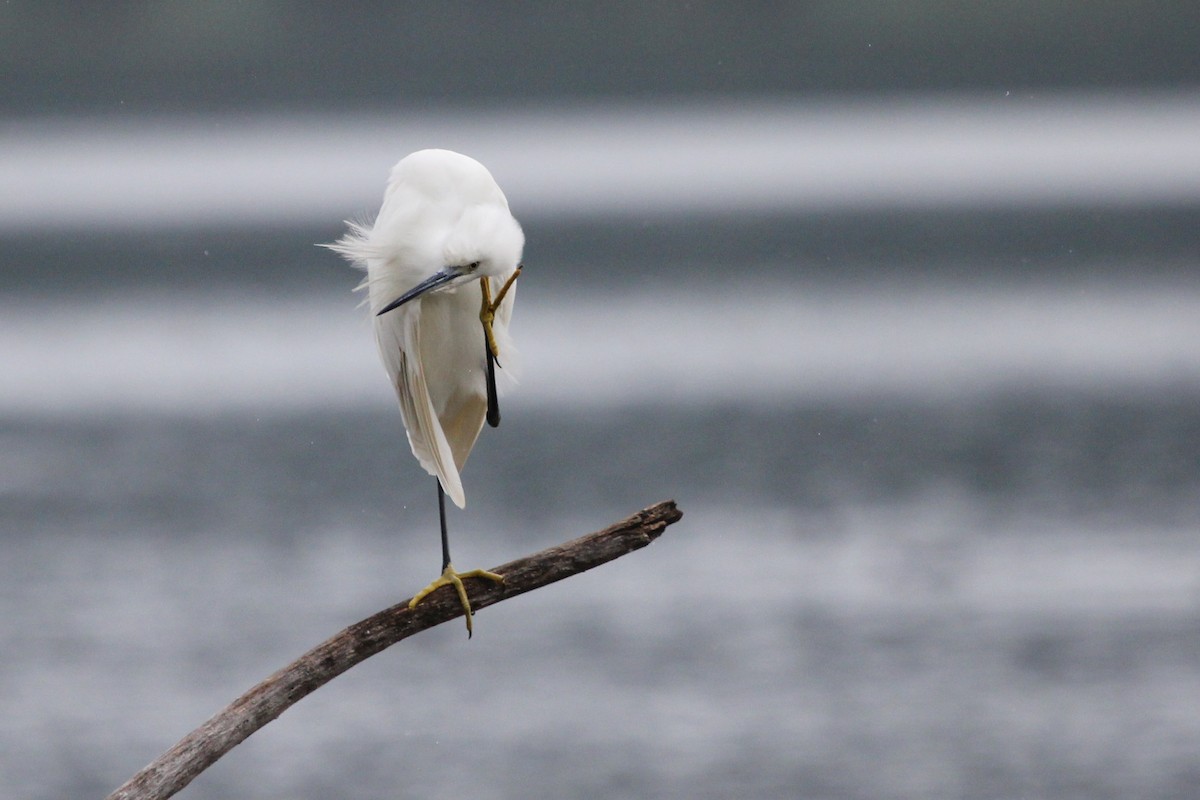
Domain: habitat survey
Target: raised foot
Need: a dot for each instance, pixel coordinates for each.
(451, 577)
(487, 312)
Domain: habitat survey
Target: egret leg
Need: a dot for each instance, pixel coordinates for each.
(487, 315)
(493, 397)
(450, 576)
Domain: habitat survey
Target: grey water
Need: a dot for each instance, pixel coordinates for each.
(860, 601)
(940, 472)
(888, 594)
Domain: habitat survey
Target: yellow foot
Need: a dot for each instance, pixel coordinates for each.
(487, 312)
(450, 577)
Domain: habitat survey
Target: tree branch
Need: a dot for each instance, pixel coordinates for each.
(176, 768)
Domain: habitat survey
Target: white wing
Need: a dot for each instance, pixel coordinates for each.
(399, 337)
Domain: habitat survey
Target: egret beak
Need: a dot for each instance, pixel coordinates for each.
(435, 280)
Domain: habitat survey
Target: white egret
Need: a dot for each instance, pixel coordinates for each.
(443, 234)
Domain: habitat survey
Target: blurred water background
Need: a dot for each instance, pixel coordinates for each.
(902, 308)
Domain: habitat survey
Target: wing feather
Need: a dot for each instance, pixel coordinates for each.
(399, 338)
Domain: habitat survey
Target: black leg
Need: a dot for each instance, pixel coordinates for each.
(449, 576)
(493, 400)
(442, 520)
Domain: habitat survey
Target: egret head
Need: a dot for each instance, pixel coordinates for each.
(487, 242)
(484, 241)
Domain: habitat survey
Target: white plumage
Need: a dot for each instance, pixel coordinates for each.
(444, 224)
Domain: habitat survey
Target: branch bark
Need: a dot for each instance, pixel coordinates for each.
(176, 768)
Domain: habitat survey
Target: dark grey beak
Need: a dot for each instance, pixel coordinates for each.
(432, 282)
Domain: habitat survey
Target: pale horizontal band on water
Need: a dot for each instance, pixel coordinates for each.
(721, 157)
(150, 351)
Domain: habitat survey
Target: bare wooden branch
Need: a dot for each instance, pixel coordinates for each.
(176, 768)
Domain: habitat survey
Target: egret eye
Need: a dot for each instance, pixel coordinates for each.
(474, 265)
